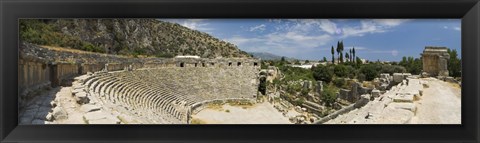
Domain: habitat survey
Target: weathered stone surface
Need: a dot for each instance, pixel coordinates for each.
(49, 117)
(59, 113)
(405, 106)
(81, 98)
(435, 61)
(89, 108)
(363, 100)
(319, 87)
(397, 77)
(450, 79)
(75, 91)
(402, 97)
(376, 93)
(96, 115)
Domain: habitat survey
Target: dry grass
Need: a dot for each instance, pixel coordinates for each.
(215, 106)
(368, 84)
(197, 121)
(244, 105)
(76, 51)
(416, 98)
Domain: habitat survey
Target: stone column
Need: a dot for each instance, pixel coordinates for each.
(354, 91)
(319, 87)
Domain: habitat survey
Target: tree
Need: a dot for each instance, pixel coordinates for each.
(333, 56)
(412, 65)
(341, 57)
(454, 64)
(358, 61)
(338, 51)
(307, 61)
(341, 51)
(353, 51)
(297, 62)
(324, 59)
(347, 56)
(350, 55)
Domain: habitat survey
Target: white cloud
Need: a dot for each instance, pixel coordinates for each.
(356, 48)
(457, 28)
(195, 24)
(260, 28)
(303, 36)
(394, 53)
(328, 26)
(390, 22)
(371, 26)
(391, 52)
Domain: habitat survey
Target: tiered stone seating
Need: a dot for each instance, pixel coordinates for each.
(166, 94)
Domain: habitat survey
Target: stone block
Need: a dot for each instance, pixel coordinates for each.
(397, 77)
(376, 93)
(364, 99)
(403, 97)
(450, 79)
(405, 106)
(59, 114)
(89, 108)
(81, 98)
(96, 115)
(385, 75)
(49, 117)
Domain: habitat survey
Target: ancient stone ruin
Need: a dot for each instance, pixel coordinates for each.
(113, 89)
(435, 61)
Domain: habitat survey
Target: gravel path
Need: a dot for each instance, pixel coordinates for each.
(440, 104)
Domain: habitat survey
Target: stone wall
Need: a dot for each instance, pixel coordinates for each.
(435, 61)
(355, 93)
(32, 75)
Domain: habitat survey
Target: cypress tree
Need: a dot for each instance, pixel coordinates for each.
(333, 56)
(353, 51)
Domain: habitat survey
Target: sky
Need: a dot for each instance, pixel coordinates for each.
(312, 39)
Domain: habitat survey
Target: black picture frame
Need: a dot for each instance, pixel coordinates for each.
(467, 10)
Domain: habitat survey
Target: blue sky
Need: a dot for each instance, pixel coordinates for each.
(383, 39)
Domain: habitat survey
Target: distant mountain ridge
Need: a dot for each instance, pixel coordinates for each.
(268, 56)
(137, 37)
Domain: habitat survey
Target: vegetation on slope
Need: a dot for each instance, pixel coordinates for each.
(133, 37)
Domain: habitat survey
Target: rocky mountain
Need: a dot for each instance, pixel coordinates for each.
(134, 37)
(268, 56)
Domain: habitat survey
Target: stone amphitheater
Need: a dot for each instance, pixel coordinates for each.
(146, 91)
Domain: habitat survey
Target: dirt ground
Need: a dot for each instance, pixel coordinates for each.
(261, 113)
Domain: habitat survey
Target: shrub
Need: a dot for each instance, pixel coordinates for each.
(340, 70)
(370, 71)
(329, 96)
(339, 82)
(323, 73)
